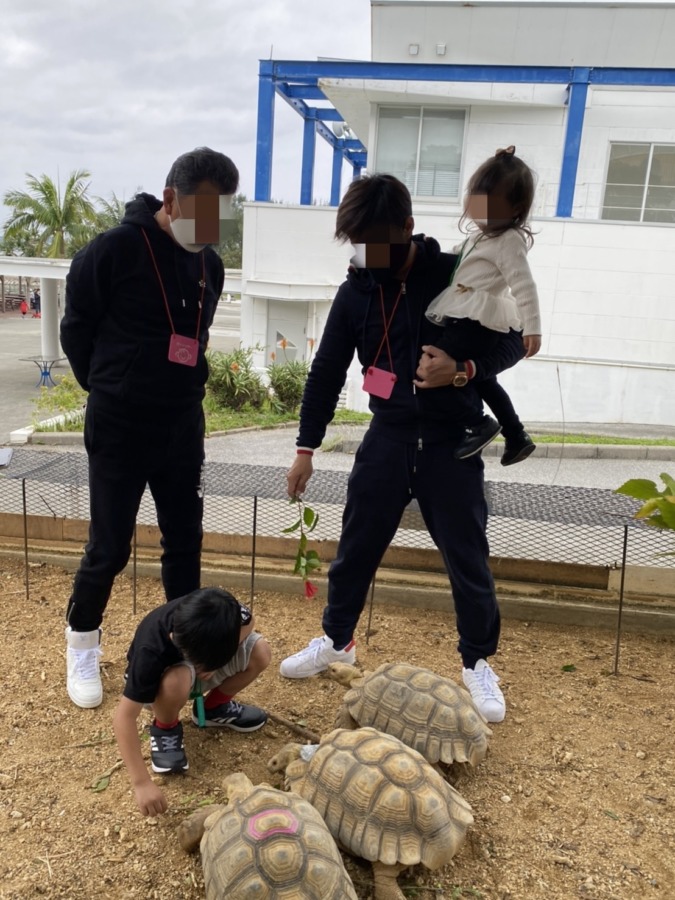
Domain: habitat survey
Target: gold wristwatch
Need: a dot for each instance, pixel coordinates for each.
(460, 378)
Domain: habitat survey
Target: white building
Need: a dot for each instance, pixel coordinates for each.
(585, 93)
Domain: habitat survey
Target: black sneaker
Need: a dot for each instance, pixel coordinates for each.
(237, 716)
(167, 753)
(477, 437)
(517, 449)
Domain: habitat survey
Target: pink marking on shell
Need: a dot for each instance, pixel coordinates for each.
(290, 828)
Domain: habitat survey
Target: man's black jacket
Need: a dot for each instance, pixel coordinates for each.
(115, 331)
(355, 325)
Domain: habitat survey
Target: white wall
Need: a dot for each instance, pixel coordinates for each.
(546, 34)
(606, 291)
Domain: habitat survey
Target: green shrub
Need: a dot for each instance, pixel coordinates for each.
(66, 399)
(287, 381)
(232, 380)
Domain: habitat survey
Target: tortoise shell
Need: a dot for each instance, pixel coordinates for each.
(381, 800)
(429, 713)
(272, 845)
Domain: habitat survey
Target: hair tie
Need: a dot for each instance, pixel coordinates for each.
(509, 151)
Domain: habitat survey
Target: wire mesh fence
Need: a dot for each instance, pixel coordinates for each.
(583, 526)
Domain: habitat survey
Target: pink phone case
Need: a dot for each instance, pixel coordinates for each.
(379, 382)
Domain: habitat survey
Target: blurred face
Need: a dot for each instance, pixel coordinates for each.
(206, 217)
(491, 210)
(382, 247)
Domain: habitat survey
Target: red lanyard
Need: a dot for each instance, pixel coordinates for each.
(387, 325)
(161, 284)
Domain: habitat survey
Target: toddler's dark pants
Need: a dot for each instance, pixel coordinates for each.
(386, 476)
(491, 392)
(129, 448)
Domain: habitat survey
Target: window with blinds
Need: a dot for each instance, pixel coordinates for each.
(421, 145)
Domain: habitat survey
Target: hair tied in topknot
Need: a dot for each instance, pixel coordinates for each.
(509, 151)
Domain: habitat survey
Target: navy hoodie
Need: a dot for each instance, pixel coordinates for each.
(355, 325)
(115, 330)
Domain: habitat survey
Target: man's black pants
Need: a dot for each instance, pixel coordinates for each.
(130, 448)
(386, 476)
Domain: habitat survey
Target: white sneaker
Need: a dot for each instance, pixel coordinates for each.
(316, 658)
(482, 684)
(83, 680)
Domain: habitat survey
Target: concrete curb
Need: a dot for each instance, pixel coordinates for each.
(544, 451)
(565, 451)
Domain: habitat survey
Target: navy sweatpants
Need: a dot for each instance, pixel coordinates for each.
(386, 476)
(128, 449)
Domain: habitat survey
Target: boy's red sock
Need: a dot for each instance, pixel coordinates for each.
(165, 725)
(215, 697)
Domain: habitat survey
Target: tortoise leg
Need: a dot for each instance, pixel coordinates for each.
(344, 720)
(386, 887)
(191, 831)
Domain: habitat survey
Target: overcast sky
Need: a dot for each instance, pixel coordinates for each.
(121, 88)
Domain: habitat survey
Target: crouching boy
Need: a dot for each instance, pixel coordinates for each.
(205, 635)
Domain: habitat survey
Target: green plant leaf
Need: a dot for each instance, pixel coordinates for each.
(291, 528)
(308, 516)
(669, 482)
(640, 488)
(101, 784)
(569, 668)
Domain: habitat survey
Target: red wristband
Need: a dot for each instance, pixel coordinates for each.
(305, 452)
(470, 368)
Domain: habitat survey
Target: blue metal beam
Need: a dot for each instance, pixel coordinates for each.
(298, 81)
(309, 73)
(576, 107)
(308, 154)
(304, 91)
(265, 135)
(336, 178)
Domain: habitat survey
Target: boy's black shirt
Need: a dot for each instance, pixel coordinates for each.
(355, 325)
(151, 652)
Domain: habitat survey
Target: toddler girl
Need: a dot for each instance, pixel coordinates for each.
(492, 285)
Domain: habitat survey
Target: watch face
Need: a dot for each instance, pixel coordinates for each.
(460, 379)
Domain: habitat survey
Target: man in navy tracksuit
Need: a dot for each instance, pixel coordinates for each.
(140, 300)
(407, 451)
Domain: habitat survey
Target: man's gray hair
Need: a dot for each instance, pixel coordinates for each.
(203, 164)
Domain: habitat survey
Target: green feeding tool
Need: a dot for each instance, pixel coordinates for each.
(197, 695)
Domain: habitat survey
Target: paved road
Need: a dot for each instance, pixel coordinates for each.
(277, 448)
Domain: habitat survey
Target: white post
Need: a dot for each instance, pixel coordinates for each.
(51, 348)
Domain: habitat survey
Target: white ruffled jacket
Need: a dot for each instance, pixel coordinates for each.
(491, 284)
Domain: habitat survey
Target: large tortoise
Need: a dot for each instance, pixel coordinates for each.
(381, 800)
(265, 845)
(429, 713)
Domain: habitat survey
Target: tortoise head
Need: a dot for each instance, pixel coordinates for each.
(344, 674)
(237, 786)
(284, 757)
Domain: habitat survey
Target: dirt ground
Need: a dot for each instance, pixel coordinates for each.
(575, 799)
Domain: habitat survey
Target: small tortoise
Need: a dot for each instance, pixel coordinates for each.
(266, 845)
(381, 800)
(429, 713)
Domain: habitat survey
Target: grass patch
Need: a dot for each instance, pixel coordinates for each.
(597, 439)
(219, 419)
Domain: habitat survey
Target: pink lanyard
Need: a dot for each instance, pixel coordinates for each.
(161, 284)
(387, 325)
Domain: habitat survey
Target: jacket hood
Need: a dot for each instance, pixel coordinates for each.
(428, 249)
(141, 210)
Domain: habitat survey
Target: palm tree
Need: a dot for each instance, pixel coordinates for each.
(55, 221)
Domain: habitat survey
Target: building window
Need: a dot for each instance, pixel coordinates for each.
(422, 146)
(640, 183)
